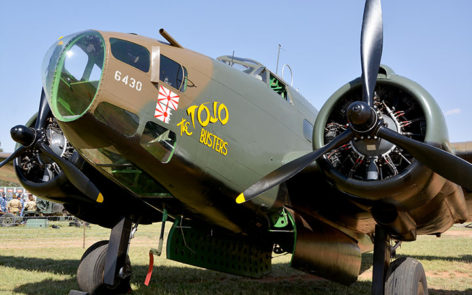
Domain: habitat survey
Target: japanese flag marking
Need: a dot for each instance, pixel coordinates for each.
(166, 102)
(162, 112)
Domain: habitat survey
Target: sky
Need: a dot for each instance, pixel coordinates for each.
(427, 41)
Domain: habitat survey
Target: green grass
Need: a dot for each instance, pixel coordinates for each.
(44, 261)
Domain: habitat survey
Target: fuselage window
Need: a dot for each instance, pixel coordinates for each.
(158, 141)
(307, 130)
(131, 53)
(173, 74)
(279, 87)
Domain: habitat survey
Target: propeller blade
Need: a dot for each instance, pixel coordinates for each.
(42, 112)
(75, 176)
(290, 169)
(13, 155)
(443, 163)
(371, 47)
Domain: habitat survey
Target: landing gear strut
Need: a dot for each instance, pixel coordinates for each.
(381, 260)
(404, 276)
(105, 267)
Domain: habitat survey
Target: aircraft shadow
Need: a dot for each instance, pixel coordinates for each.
(462, 258)
(367, 259)
(184, 280)
(66, 266)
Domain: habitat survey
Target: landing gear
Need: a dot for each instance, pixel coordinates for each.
(404, 276)
(105, 267)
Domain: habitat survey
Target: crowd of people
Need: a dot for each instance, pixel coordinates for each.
(17, 204)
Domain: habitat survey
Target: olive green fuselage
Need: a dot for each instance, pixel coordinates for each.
(226, 121)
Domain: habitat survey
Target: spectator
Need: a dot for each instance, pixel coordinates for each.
(3, 203)
(8, 196)
(31, 204)
(22, 201)
(14, 206)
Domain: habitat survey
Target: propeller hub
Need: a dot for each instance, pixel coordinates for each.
(23, 135)
(361, 116)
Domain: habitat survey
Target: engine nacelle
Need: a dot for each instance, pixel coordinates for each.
(373, 168)
(40, 175)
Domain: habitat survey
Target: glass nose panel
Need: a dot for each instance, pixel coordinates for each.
(78, 63)
(75, 61)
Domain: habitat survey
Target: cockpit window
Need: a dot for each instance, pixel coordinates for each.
(172, 73)
(258, 71)
(245, 65)
(131, 53)
(278, 86)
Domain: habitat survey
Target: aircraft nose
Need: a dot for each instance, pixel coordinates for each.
(72, 70)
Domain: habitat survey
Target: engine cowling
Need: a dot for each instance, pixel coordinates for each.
(42, 176)
(373, 168)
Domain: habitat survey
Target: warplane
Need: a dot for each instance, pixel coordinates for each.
(131, 130)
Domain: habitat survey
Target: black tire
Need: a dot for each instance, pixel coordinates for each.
(91, 271)
(93, 247)
(406, 276)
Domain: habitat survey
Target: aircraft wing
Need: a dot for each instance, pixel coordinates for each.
(464, 151)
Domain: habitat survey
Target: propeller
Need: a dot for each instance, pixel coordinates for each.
(443, 163)
(43, 111)
(75, 176)
(364, 121)
(371, 48)
(290, 169)
(35, 138)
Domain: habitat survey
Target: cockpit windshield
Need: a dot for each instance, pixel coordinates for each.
(246, 65)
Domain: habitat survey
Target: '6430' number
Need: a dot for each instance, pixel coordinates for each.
(127, 80)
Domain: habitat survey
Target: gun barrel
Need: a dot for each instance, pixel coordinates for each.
(169, 38)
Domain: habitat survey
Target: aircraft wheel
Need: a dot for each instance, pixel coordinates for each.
(93, 247)
(406, 277)
(91, 271)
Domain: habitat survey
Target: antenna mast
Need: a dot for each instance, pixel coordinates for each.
(278, 54)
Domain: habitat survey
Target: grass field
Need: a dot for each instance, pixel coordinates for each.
(44, 261)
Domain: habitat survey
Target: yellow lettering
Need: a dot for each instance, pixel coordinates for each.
(204, 116)
(208, 141)
(225, 152)
(203, 136)
(202, 108)
(214, 117)
(191, 113)
(219, 113)
(214, 141)
(222, 107)
(184, 127)
(217, 145)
